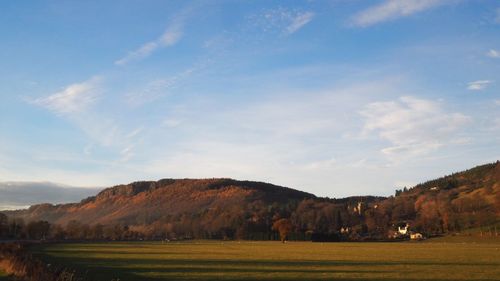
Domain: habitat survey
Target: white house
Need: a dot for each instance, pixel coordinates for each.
(403, 230)
(416, 236)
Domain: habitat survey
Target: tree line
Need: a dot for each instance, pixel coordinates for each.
(447, 205)
(309, 219)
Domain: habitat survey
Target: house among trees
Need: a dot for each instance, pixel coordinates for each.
(416, 236)
(345, 230)
(400, 230)
(359, 208)
(403, 229)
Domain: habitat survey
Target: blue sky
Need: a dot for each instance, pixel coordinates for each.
(336, 98)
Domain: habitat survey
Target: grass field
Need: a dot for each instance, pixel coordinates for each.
(208, 260)
(3, 276)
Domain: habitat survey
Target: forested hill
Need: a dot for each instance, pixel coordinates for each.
(186, 205)
(468, 199)
(217, 208)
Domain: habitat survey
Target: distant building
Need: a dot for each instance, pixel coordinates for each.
(416, 236)
(403, 229)
(359, 208)
(345, 230)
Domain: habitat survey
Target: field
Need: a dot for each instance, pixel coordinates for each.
(209, 260)
(3, 276)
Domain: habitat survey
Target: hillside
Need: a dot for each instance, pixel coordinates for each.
(468, 199)
(215, 203)
(216, 208)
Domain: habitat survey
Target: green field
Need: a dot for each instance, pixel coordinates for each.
(3, 276)
(208, 260)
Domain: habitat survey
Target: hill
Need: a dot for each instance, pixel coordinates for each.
(463, 200)
(217, 208)
(211, 204)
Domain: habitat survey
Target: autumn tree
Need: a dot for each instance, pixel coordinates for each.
(284, 227)
(4, 225)
(37, 229)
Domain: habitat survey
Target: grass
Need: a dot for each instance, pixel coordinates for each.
(209, 260)
(3, 276)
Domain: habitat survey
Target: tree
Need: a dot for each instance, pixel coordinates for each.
(16, 228)
(74, 230)
(97, 231)
(38, 229)
(4, 225)
(283, 226)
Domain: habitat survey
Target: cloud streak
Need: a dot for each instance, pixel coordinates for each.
(158, 88)
(412, 126)
(299, 21)
(493, 54)
(478, 85)
(282, 20)
(170, 37)
(393, 9)
(72, 99)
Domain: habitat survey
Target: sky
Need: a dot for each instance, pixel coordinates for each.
(336, 98)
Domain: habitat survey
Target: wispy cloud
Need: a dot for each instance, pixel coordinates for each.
(478, 85)
(282, 20)
(493, 54)
(170, 37)
(73, 98)
(299, 21)
(79, 104)
(412, 126)
(158, 88)
(393, 9)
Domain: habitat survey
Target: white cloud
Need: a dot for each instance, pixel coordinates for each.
(412, 126)
(282, 20)
(493, 54)
(393, 9)
(169, 38)
(74, 98)
(478, 85)
(299, 21)
(497, 102)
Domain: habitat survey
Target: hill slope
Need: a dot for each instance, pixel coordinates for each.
(209, 208)
(146, 203)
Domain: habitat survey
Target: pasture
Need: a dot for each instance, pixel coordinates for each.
(210, 260)
(3, 276)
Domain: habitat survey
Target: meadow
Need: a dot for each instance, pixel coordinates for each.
(211, 260)
(3, 276)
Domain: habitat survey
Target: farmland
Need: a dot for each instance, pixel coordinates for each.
(3, 276)
(210, 260)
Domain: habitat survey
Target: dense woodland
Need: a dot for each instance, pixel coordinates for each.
(230, 209)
